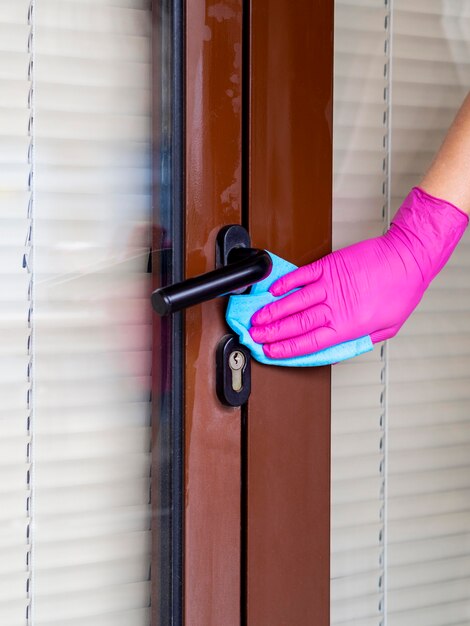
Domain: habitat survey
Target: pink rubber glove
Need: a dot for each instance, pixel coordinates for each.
(369, 288)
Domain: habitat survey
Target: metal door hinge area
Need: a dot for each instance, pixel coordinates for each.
(233, 372)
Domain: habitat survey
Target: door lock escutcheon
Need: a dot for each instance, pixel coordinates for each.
(233, 371)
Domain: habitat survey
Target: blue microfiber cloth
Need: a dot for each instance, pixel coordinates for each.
(241, 308)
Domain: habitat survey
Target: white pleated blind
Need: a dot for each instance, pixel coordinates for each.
(75, 336)
(14, 309)
(401, 424)
(359, 205)
(429, 368)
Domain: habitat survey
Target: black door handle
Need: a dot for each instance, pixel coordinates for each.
(241, 266)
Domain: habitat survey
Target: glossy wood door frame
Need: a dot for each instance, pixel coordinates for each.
(213, 199)
(288, 437)
(277, 572)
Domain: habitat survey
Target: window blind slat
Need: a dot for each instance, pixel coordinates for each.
(422, 459)
(359, 18)
(360, 512)
(426, 370)
(91, 525)
(428, 527)
(91, 180)
(85, 445)
(92, 576)
(14, 116)
(357, 371)
(12, 612)
(418, 596)
(363, 585)
(370, 92)
(346, 538)
(371, 621)
(13, 36)
(95, 338)
(364, 466)
(429, 391)
(360, 420)
(434, 615)
(130, 100)
(346, 494)
(452, 7)
(14, 13)
(138, 617)
(98, 19)
(91, 126)
(93, 153)
(92, 497)
(444, 25)
(443, 570)
(89, 72)
(431, 49)
(419, 504)
(102, 207)
(14, 65)
(125, 4)
(430, 414)
(12, 448)
(356, 443)
(356, 609)
(83, 44)
(99, 470)
(51, 554)
(364, 396)
(348, 113)
(352, 65)
(92, 602)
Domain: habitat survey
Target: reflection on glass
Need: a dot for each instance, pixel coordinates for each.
(91, 350)
(81, 355)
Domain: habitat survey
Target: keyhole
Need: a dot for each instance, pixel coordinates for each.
(236, 362)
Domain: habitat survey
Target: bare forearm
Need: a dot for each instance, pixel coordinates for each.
(449, 175)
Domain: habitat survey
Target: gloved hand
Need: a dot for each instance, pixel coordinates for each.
(369, 288)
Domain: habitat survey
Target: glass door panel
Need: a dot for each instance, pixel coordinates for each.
(91, 336)
(84, 198)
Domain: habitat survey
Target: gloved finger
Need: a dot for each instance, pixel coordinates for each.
(293, 303)
(292, 326)
(309, 343)
(297, 278)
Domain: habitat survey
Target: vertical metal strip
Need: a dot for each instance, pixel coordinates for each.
(385, 347)
(178, 202)
(29, 266)
(168, 402)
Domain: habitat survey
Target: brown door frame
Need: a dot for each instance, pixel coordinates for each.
(255, 482)
(290, 199)
(213, 199)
